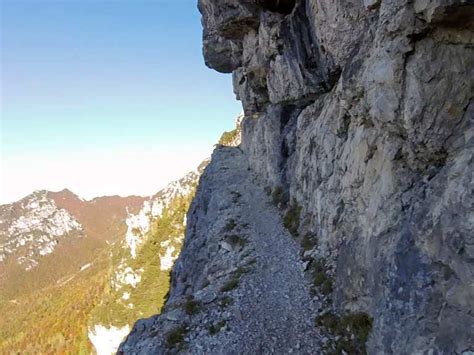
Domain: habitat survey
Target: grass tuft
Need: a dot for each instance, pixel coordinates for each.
(175, 337)
(226, 301)
(236, 241)
(191, 306)
(351, 331)
(216, 327)
(291, 221)
(229, 227)
(230, 285)
(235, 279)
(278, 196)
(308, 243)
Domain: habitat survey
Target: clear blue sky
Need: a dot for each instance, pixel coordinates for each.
(85, 81)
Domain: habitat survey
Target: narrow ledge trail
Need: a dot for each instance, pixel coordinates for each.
(273, 311)
(269, 308)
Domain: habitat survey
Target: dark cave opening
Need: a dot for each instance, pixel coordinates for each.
(281, 6)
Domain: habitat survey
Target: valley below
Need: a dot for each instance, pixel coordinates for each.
(77, 274)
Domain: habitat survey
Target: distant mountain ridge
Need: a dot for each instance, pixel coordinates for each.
(100, 215)
(33, 227)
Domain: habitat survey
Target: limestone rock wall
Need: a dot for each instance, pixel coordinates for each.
(363, 113)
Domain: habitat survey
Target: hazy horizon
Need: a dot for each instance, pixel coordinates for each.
(105, 97)
(161, 184)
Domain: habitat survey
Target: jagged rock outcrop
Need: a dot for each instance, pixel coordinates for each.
(359, 118)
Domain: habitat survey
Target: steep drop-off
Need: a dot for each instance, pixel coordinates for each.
(359, 125)
(138, 279)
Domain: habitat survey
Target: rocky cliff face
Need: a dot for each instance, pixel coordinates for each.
(359, 121)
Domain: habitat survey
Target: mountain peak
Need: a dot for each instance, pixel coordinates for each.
(65, 194)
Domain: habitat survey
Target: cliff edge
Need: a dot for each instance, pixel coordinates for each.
(344, 222)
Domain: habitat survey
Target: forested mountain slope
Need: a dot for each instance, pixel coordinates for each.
(76, 274)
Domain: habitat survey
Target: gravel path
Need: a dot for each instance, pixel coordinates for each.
(274, 310)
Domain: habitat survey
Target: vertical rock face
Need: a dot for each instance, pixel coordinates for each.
(362, 112)
(359, 116)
